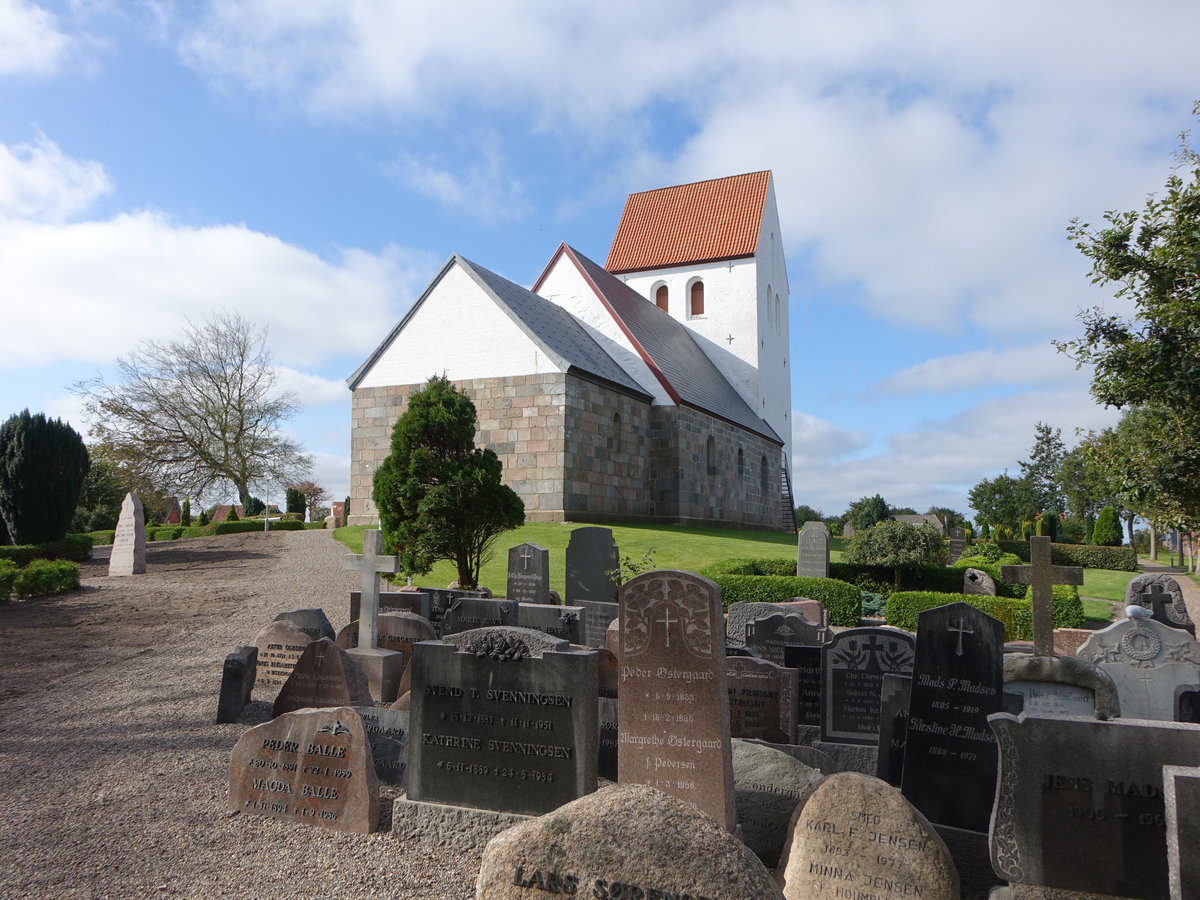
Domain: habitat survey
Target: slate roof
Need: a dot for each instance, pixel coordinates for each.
(685, 371)
(556, 332)
(690, 223)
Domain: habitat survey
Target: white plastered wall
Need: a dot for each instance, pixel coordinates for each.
(774, 364)
(461, 332)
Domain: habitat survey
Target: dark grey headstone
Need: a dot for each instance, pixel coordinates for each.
(1080, 805)
(563, 622)
(393, 602)
(387, 730)
(807, 663)
(528, 574)
(812, 551)
(325, 675)
(762, 700)
(597, 616)
(441, 599)
(852, 671)
(469, 613)
(893, 727)
(1187, 703)
(606, 759)
(958, 539)
(740, 615)
(772, 634)
(1161, 594)
(312, 622)
(237, 681)
(1181, 789)
(950, 752)
(501, 723)
(591, 555)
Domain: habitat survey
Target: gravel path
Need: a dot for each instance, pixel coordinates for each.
(114, 775)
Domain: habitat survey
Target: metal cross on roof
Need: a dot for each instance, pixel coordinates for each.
(1042, 576)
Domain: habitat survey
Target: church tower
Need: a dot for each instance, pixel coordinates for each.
(710, 255)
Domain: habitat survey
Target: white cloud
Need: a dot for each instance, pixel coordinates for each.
(332, 472)
(1026, 364)
(485, 190)
(814, 439)
(31, 42)
(39, 182)
(312, 390)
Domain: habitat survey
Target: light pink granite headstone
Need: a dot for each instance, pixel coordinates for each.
(325, 675)
(129, 543)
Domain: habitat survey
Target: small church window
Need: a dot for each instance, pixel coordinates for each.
(741, 463)
(696, 304)
(763, 476)
(660, 297)
(616, 433)
(710, 456)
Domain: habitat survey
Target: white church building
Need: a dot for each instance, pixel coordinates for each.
(654, 388)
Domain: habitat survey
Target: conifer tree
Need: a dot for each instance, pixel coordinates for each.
(42, 465)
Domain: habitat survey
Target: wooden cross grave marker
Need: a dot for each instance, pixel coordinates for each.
(1043, 576)
(371, 563)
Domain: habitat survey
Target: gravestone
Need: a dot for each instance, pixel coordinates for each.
(398, 631)
(762, 700)
(387, 732)
(1187, 703)
(806, 661)
(768, 785)
(1148, 661)
(591, 555)
(812, 551)
(597, 617)
(504, 721)
(1162, 595)
(325, 675)
(1181, 797)
(771, 635)
(958, 540)
(854, 836)
(852, 669)
(739, 616)
(1079, 805)
(528, 574)
(1060, 686)
(128, 555)
(810, 756)
(237, 681)
(469, 613)
(624, 842)
(416, 602)
(950, 753)
(894, 698)
(977, 581)
(280, 646)
(674, 706)
(563, 622)
(312, 766)
(312, 622)
(1042, 576)
(812, 610)
(441, 599)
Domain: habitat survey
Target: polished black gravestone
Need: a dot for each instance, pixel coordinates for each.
(528, 574)
(394, 602)
(606, 759)
(852, 670)
(469, 613)
(771, 635)
(591, 556)
(312, 622)
(950, 752)
(237, 681)
(563, 622)
(504, 721)
(597, 616)
(807, 663)
(441, 599)
(387, 730)
(893, 728)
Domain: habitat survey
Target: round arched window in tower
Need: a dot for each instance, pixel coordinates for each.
(696, 298)
(660, 298)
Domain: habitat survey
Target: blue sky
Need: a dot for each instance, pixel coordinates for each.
(312, 164)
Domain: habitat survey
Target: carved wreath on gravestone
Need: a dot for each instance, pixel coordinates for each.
(504, 647)
(672, 604)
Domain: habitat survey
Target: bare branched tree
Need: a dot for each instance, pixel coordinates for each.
(200, 409)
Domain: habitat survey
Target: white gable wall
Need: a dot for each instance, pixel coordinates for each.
(774, 328)
(459, 331)
(565, 286)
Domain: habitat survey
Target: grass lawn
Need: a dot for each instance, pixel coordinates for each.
(1103, 593)
(674, 546)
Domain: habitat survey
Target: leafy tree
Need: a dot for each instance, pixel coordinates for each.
(895, 545)
(42, 466)
(198, 410)
(902, 511)
(951, 518)
(254, 507)
(1107, 532)
(866, 511)
(1003, 500)
(1043, 468)
(1047, 523)
(294, 501)
(806, 513)
(438, 495)
(314, 496)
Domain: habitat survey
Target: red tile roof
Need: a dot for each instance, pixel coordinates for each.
(690, 223)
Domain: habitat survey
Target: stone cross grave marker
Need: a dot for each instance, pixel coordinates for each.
(1042, 576)
(1148, 661)
(812, 551)
(673, 713)
(383, 668)
(950, 753)
(591, 555)
(528, 574)
(852, 669)
(129, 542)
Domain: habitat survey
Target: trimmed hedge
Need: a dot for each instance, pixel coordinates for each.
(1089, 556)
(44, 576)
(8, 574)
(102, 537)
(745, 580)
(903, 608)
(169, 533)
(1003, 589)
(243, 525)
(77, 547)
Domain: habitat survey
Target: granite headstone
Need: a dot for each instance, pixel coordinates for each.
(528, 574)
(768, 785)
(893, 728)
(1148, 661)
(1161, 594)
(772, 634)
(469, 613)
(806, 661)
(812, 551)
(1181, 797)
(312, 622)
(325, 675)
(237, 681)
(416, 602)
(280, 646)
(591, 555)
(387, 731)
(852, 669)
(762, 699)
(563, 622)
(128, 555)
(598, 615)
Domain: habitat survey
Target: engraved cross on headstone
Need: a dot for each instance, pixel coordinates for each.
(526, 556)
(1043, 576)
(666, 621)
(961, 631)
(1158, 598)
(370, 564)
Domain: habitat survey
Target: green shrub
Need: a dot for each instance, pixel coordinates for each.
(185, 513)
(42, 466)
(904, 607)
(8, 574)
(842, 601)
(170, 533)
(244, 525)
(104, 536)
(1107, 530)
(199, 531)
(1089, 556)
(202, 519)
(46, 576)
(19, 554)
(76, 547)
(314, 526)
